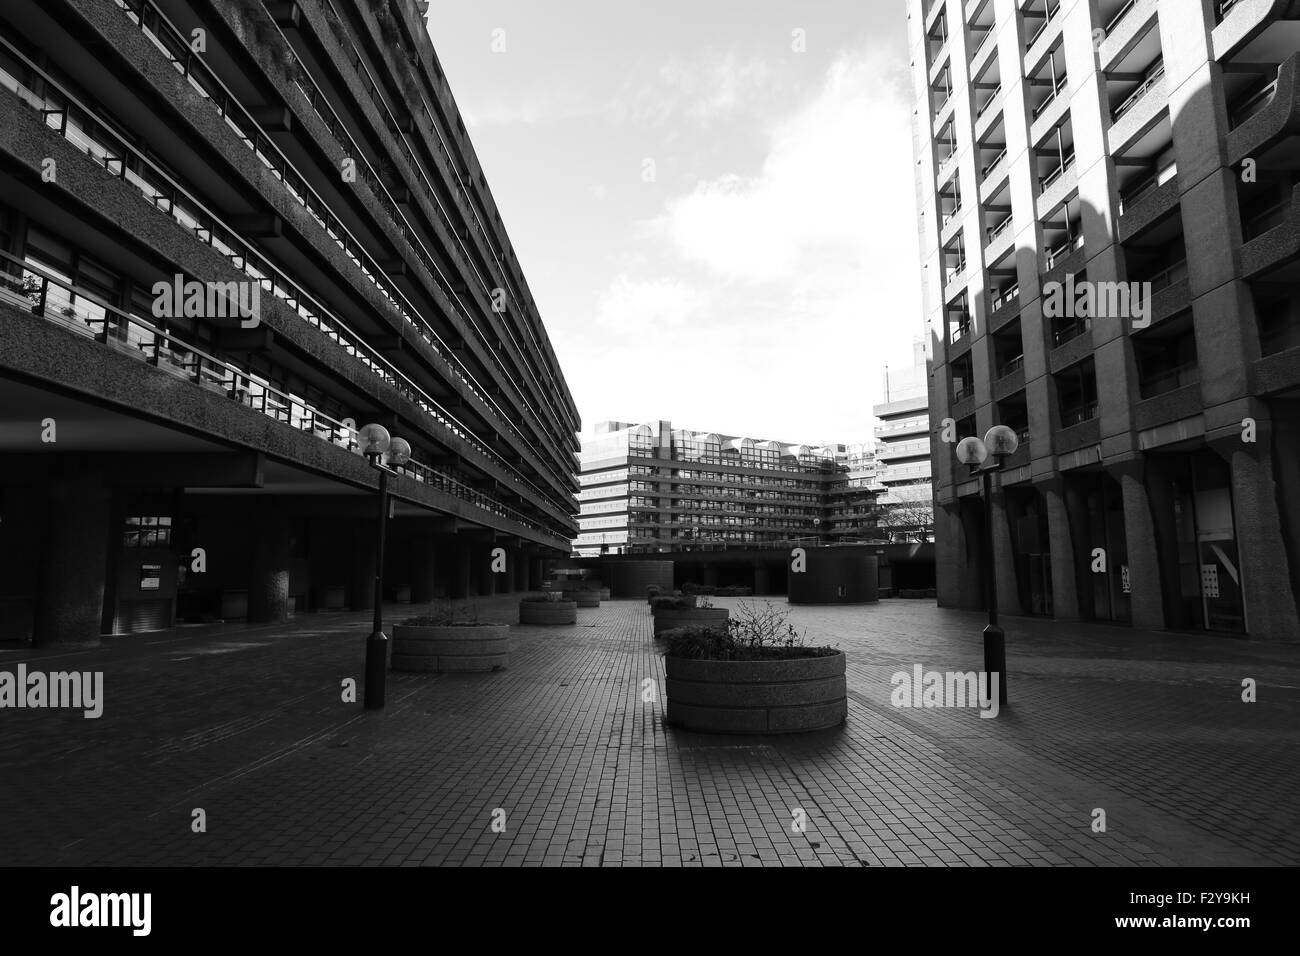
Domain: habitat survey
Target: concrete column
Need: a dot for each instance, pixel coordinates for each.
(1147, 597)
(73, 557)
(519, 569)
(1003, 553)
(484, 581)
(948, 553)
(361, 568)
(1271, 613)
(1065, 575)
(709, 572)
(1160, 493)
(423, 557)
(270, 563)
(761, 584)
(457, 565)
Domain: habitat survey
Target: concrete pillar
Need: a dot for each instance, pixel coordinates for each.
(536, 573)
(1003, 553)
(73, 558)
(1270, 603)
(484, 580)
(1076, 537)
(361, 568)
(269, 563)
(422, 554)
(519, 569)
(456, 562)
(1160, 494)
(1065, 578)
(1147, 597)
(761, 581)
(709, 573)
(949, 545)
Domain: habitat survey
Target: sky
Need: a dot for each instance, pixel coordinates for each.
(712, 201)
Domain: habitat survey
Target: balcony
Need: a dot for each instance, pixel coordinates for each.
(1078, 415)
(1057, 256)
(1244, 20)
(1139, 111)
(1146, 202)
(1000, 239)
(1041, 39)
(1276, 236)
(73, 308)
(1270, 116)
(1054, 187)
(1123, 28)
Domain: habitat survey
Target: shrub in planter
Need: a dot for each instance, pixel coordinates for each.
(757, 676)
(676, 612)
(690, 587)
(546, 609)
(448, 638)
(652, 592)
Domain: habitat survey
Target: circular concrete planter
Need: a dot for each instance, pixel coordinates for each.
(449, 649)
(757, 697)
(548, 612)
(714, 618)
(583, 598)
(604, 594)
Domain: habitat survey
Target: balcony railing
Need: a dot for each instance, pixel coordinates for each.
(1115, 21)
(995, 231)
(66, 115)
(1055, 91)
(1269, 218)
(963, 393)
(1062, 250)
(44, 294)
(994, 164)
(1072, 330)
(992, 98)
(1187, 374)
(1078, 414)
(1254, 104)
(960, 331)
(154, 24)
(530, 327)
(1130, 196)
(1045, 182)
(1014, 365)
(1005, 297)
(1151, 79)
(950, 216)
(1167, 277)
(955, 272)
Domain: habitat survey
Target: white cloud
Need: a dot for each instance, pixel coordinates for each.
(630, 305)
(837, 182)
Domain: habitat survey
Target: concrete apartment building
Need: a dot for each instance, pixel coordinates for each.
(655, 489)
(168, 458)
(903, 473)
(1070, 143)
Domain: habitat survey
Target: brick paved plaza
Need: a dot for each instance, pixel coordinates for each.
(248, 724)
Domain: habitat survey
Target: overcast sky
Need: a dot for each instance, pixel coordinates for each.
(718, 228)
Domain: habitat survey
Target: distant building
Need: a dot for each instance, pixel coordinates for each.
(902, 459)
(651, 488)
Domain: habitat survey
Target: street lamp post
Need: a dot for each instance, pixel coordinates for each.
(382, 451)
(1000, 442)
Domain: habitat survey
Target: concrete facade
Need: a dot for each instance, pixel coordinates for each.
(170, 459)
(1111, 246)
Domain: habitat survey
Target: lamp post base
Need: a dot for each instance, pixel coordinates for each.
(995, 657)
(376, 670)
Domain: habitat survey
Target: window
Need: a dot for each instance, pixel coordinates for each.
(147, 532)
